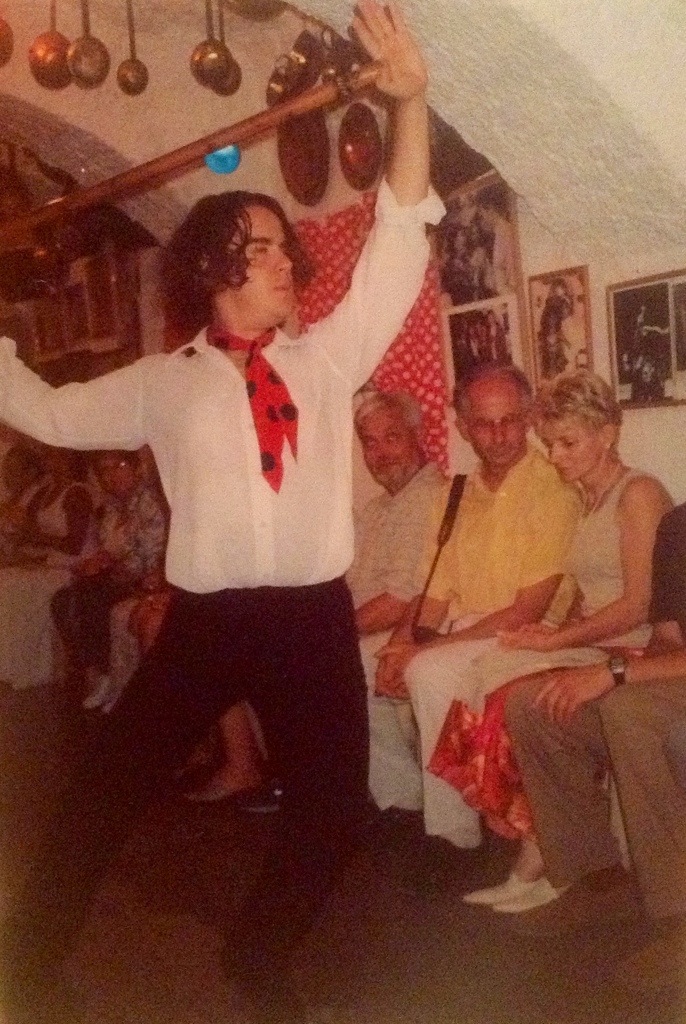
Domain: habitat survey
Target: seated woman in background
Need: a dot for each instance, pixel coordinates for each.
(578, 418)
(128, 560)
(61, 515)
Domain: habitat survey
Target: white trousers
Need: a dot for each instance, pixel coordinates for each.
(394, 776)
(403, 734)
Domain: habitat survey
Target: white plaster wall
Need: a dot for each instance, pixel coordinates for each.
(635, 49)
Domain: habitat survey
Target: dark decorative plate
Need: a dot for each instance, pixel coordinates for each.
(303, 148)
(360, 147)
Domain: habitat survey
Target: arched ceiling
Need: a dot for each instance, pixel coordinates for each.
(86, 158)
(577, 105)
(557, 96)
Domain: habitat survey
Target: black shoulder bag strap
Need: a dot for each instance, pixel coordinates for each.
(422, 634)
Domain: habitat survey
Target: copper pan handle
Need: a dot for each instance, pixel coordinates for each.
(156, 171)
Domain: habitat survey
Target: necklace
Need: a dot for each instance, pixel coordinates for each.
(592, 505)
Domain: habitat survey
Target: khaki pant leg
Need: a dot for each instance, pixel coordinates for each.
(563, 768)
(636, 720)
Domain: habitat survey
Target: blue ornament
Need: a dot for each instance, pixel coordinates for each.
(224, 161)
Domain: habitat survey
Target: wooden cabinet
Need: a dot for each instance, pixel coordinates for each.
(92, 309)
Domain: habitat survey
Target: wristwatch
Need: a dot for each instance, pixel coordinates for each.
(617, 666)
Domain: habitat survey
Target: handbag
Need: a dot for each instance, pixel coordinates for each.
(422, 634)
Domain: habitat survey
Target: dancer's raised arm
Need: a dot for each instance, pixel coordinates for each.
(383, 32)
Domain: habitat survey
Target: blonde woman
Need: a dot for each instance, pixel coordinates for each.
(609, 563)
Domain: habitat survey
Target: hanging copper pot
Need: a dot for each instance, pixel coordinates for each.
(210, 60)
(360, 147)
(6, 42)
(132, 74)
(228, 83)
(48, 55)
(296, 71)
(87, 57)
(303, 142)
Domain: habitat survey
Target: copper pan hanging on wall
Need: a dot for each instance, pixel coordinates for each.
(48, 55)
(303, 149)
(87, 57)
(155, 172)
(360, 147)
(132, 74)
(302, 143)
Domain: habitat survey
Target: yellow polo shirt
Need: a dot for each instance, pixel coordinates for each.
(505, 540)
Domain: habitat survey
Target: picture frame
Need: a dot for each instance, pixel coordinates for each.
(477, 250)
(647, 329)
(481, 332)
(560, 322)
(476, 242)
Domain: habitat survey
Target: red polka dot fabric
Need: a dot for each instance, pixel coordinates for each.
(273, 412)
(414, 362)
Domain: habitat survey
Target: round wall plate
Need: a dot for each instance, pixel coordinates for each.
(360, 146)
(303, 149)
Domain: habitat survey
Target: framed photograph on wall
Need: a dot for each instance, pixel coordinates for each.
(647, 324)
(560, 322)
(481, 283)
(481, 332)
(83, 313)
(477, 245)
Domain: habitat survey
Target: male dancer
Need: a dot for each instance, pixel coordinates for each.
(251, 432)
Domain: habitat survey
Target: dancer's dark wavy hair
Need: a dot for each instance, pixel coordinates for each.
(207, 253)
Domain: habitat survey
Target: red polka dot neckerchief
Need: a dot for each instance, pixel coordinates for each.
(273, 412)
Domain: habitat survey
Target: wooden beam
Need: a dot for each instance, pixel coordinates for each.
(178, 161)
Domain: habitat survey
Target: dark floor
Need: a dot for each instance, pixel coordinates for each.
(397, 946)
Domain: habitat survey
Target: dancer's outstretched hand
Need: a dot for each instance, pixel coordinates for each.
(383, 32)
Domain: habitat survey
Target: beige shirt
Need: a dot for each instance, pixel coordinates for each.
(594, 560)
(391, 533)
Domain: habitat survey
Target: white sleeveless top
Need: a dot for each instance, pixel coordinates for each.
(595, 561)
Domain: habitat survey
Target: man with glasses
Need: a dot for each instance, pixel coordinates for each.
(499, 570)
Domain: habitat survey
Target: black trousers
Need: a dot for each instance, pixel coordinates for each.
(81, 613)
(293, 652)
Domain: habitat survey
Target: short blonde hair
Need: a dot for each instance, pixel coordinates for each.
(579, 393)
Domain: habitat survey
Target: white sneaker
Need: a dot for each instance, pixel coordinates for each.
(99, 694)
(534, 894)
(511, 887)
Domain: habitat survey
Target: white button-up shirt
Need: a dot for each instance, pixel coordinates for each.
(228, 528)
